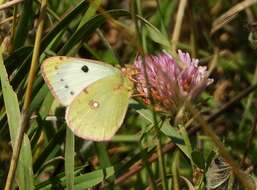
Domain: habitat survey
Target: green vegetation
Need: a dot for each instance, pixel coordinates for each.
(192, 142)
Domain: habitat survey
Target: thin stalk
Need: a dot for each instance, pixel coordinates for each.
(243, 177)
(159, 150)
(145, 162)
(35, 56)
(14, 24)
(177, 28)
(9, 4)
(50, 11)
(107, 45)
(161, 162)
(163, 29)
(7, 19)
(250, 140)
(69, 159)
(25, 113)
(248, 103)
(175, 171)
(16, 152)
(143, 34)
(193, 33)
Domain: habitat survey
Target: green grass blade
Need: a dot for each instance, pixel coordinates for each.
(69, 159)
(90, 26)
(155, 34)
(81, 182)
(23, 25)
(24, 173)
(93, 178)
(104, 158)
(63, 23)
(90, 12)
(54, 143)
(102, 154)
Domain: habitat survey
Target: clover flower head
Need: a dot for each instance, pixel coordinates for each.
(167, 82)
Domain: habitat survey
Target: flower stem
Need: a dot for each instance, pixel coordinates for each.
(143, 32)
(156, 125)
(175, 171)
(161, 163)
(145, 162)
(25, 112)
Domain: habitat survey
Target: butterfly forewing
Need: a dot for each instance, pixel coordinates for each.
(67, 77)
(98, 111)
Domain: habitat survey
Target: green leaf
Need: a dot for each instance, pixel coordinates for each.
(146, 114)
(81, 182)
(167, 9)
(186, 139)
(39, 97)
(210, 157)
(176, 137)
(155, 34)
(93, 178)
(103, 156)
(198, 159)
(168, 130)
(24, 173)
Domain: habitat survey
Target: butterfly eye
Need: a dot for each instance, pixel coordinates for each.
(85, 68)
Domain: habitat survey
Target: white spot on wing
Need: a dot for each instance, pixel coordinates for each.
(94, 104)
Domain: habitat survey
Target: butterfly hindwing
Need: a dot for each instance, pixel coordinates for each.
(67, 77)
(98, 111)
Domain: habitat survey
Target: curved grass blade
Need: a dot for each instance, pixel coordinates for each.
(23, 25)
(24, 173)
(90, 12)
(82, 182)
(155, 34)
(63, 23)
(86, 29)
